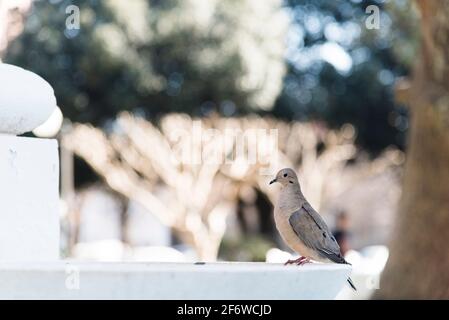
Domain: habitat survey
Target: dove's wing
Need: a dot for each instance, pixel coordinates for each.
(315, 234)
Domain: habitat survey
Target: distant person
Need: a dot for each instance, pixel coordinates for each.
(341, 232)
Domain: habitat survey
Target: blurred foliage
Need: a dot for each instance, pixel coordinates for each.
(229, 56)
(340, 71)
(156, 56)
(247, 248)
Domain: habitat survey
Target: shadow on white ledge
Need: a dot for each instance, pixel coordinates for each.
(84, 280)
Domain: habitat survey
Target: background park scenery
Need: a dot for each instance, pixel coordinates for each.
(355, 91)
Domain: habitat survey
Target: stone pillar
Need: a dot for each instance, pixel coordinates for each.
(29, 170)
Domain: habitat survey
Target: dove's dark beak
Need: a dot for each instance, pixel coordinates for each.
(272, 181)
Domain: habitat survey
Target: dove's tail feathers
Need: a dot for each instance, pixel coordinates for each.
(352, 284)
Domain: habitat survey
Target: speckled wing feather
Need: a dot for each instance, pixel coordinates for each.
(314, 233)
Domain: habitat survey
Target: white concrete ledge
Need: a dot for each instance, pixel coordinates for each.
(74, 280)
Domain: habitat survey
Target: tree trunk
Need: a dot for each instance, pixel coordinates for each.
(208, 252)
(205, 243)
(418, 266)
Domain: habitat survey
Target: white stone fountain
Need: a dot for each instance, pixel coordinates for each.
(29, 230)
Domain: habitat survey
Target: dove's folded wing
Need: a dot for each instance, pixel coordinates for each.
(315, 234)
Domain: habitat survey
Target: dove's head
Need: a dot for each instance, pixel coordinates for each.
(286, 177)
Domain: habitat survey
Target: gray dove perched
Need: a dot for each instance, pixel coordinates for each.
(301, 227)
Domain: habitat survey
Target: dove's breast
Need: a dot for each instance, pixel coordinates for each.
(289, 236)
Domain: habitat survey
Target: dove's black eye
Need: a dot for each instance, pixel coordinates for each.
(285, 175)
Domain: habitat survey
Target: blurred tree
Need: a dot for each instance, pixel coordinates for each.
(228, 56)
(156, 56)
(249, 248)
(12, 14)
(341, 71)
(190, 180)
(418, 266)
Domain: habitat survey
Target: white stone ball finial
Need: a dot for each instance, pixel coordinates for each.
(26, 100)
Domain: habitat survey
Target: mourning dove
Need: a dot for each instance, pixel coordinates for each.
(301, 227)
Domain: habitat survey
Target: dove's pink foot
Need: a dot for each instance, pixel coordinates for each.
(297, 261)
(304, 261)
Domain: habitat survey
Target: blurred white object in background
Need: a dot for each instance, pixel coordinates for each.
(51, 127)
(99, 216)
(156, 254)
(144, 229)
(26, 100)
(114, 250)
(375, 258)
(188, 251)
(275, 255)
(103, 250)
(367, 266)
